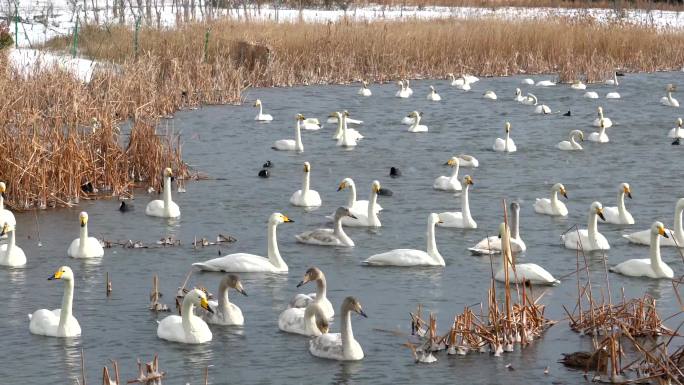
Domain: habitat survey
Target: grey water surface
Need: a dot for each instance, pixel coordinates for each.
(227, 144)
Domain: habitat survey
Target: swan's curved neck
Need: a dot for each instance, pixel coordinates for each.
(2, 202)
(669, 96)
(416, 121)
(352, 195)
(167, 195)
(186, 314)
(656, 260)
(592, 228)
(344, 128)
(515, 222)
(573, 140)
(465, 204)
(508, 137)
(67, 303)
(273, 252)
(678, 230)
(321, 290)
(454, 174)
(83, 238)
(621, 204)
(298, 137)
(554, 199)
(310, 320)
(373, 219)
(432, 243)
(223, 301)
(338, 132)
(347, 333)
(261, 110)
(306, 180)
(339, 231)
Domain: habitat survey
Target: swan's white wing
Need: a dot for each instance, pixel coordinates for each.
(543, 206)
(328, 345)
(612, 215)
(644, 238)
(489, 245)
(451, 219)
(44, 322)
(401, 257)
(572, 238)
(302, 300)
(171, 329)
(535, 274)
(499, 145)
(322, 237)
(635, 268)
(237, 263)
(284, 145)
(291, 320)
(565, 146)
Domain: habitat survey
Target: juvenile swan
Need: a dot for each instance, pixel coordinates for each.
(329, 237)
(164, 208)
(85, 246)
(493, 244)
(226, 312)
(58, 322)
(320, 297)
(340, 346)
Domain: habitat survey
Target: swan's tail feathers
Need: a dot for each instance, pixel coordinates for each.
(204, 266)
(478, 251)
(612, 269)
(555, 283)
(30, 316)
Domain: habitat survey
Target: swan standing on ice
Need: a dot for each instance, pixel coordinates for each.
(572, 144)
(520, 272)
(601, 136)
(11, 254)
(320, 298)
(85, 246)
(250, 263)
(489, 95)
(433, 95)
(653, 267)
(492, 244)
(340, 346)
(449, 183)
(358, 208)
(578, 85)
(364, 90)
(412, 257)
(261, 117)
(676, 132)
(164, 208)
(58, 322)
(226, 312)
(460, 219)
(187, 328)
(403, 92)
(552, 206)
(306, 197)
(507, 144)
(6, 216)
(591, 95)
(416, 126)
(668, 100)
(619, 215)
(606, 121)
(329, 237)
(588, 239)
(676, 234)
(289, 144)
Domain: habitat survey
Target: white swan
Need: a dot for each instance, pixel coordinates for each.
(358, 208)
(591, 95)
(489, 95)
(601, 136)
(493, 244)
(370, 217)
(6, 216)
(607, 123)
(468, 161)
(85, 246)
(456, 82)
(572, 144)
(308, 321)
(340, 346)
(412, 257)
(341, 125)
(520, 272)
(619, 215)
(408, 87)
(409, 120)
(334, 119)
(187, 328)
(588, 239)
(545, 83)
(403, 92)
(306, 197)
(653, 267)
(58, 322)
(542, 109)
(320, 298)
(329, 237)
(471, 79)
(311, 124)
(518, 95)
(416, 126)
(461, 219)
(347, 139)
(289, 144)
(433, 95)
(552, 206)
(613, 95)
(261, 117)
(223, 311)
(507, 144)
(463, 84)
(449, 183)
(527, 81)
(364, 90)
(164, 208)
(11, 254)
(676, 233)
(676, 132)
(250, 263)
(529, 99)
(578, 85)
(613, 81)
(668, 100)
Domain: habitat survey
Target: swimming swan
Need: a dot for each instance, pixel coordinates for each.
(250, 263)
(578, 85)
(416, 126)
(676, 132)
(545, 83)
(408, 87)
(370, 218)
(306, 197)
(507, 144)
(460, 219)
(449, 183)
(613, 81)
(520, 272)
(11, 254)
(358, 208)
(552, 206)
(676, 233)
(346, 140)
(528, 99)
(58, 322)
(412, 257)
(668, 100)
(619, 215)
(364, 90)
(289, 144)
(613, 95)
(588, 239)
(433, 95)
(223, 311)
(351, 133)
(308, 321)
(187, 328)
(164, 208)
(6, 216)
(329, 237)
(518, 96)
(261, 117)
(601, 136)
(468, 161)
(489, 95)
(607, 123)
(340, 346)
(403, 92)
(492, 244)
(572, 144)
(543, 109)
(527, 81)
(653, 267)
(320, 298)
(591, 95)
(85, 246)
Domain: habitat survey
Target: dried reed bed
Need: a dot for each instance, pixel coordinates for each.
(581, 4)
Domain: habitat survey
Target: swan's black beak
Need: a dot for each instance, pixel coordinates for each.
(600, 214)
(242, 291)
(350, 215)
(629, 194)
(363, 314)
(565, 195)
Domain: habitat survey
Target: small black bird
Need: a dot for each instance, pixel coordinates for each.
(87, 188)
(675, 142)
(567, 113)
(385, 192)
(268, 164)
(264, 173)
(123, 207)
(395, 172)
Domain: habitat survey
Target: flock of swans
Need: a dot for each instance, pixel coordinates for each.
(311, 314)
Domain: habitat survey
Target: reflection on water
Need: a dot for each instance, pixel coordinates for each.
(347, 371)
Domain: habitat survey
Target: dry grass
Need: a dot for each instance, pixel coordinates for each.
(581, 4)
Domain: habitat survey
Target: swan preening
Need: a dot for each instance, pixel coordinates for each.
(412, 257)
(6, 216)
(433, 95)
(250, 263)
(340, 346)
(306, 197)
(187, 328)
(330, 237)
(653, 267)
(668, 100)
(619, 215)
(600, 136)
(572, 144)
(364, 90)
(11, 254)
(607, 123)
(588, 239)
(489, 95)
(165, 207)
(493, 244)
(85, 246)
(461, 219)
(676, 132)
(416, 126)
(449, 183)
(552, 206)
(507, 144)
(358, 208)
(307, 321)
(289, 144)
(519, 272)
(223, 311)
(261, 117)
(319, 298)
(676, 233)
(58, 322)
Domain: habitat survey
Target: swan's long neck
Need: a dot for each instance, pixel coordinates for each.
(321, 289)
(186, 314)
(310, 320)
(67, 303)
(669, 96)
(465, 204)
(298, 137)
(432, 243)
(273, 252)
(678, 230)
(621, 204)
(344, 128)
(454, 174)
(352, 195)
(554, 199)
(347, 333)
(11, 242)
(515, 222)
(83, 238)
(508, 137)
(306, 181)
(338, 133)
(602, 130)
(656, 260)
(592, 228)
(373, 219)
(615, 78)
(261, 110)
(573, 141)
(2, 202)
(339, 231)
(223, 301)
(416, 121)
(167, 195)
